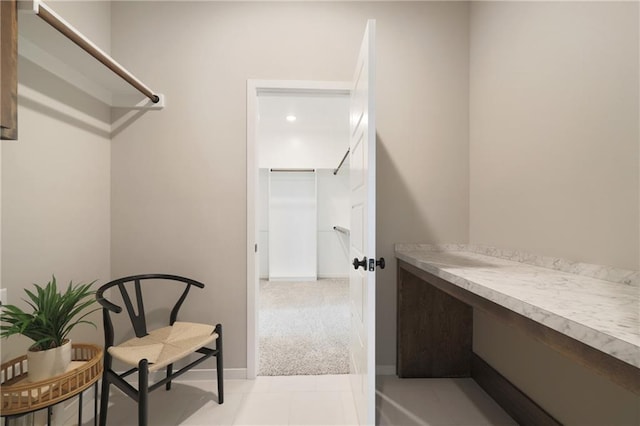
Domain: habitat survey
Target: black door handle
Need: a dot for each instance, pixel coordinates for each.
(380, 263)
(356, 263)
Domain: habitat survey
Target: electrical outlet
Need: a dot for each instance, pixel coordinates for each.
(3, 296)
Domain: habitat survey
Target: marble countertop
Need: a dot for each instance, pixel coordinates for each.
(602, 314)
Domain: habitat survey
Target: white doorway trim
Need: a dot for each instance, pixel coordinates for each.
(254, 87)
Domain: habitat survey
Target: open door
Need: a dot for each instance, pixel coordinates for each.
(362, 278)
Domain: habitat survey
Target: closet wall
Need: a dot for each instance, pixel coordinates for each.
(56, 182)
(293, 224)
(554, 153)
(565, 161)
(332, 203)
(333, 209)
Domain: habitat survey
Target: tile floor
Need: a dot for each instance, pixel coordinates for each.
(314, 400)
(431, 402)
(268, 400)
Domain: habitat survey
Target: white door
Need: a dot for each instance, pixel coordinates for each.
(362, 281)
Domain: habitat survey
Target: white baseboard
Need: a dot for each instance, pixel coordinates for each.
(293, 278)
(385, 370)
(320, 276)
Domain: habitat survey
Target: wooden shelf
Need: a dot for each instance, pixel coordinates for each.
(18, 395)
(48, 47)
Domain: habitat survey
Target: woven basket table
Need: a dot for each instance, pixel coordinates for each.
(20, 396)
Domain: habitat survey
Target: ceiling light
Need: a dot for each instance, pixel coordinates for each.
(291, 118)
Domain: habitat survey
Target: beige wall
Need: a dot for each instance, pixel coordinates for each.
(55, 181)
(554, 129)
(554, 170)
(179, 175)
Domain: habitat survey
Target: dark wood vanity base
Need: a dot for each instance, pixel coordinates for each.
(434, 330)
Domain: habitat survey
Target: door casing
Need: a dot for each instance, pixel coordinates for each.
(254, 88)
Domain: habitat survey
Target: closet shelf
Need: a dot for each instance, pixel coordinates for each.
(49, 41)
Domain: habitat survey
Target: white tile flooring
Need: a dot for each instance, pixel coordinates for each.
(431, 402)
(285, 400)
(313, 400)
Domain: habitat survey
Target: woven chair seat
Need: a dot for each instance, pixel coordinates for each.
(165, 345)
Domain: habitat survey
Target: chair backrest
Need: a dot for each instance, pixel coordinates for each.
(137, 317)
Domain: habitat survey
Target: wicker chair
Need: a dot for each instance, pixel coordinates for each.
(153, 350)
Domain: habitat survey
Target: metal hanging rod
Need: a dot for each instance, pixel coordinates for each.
(50, 17)
(335, 172)
(293, 170)
(341, 229)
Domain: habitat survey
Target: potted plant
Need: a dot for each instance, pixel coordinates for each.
(54, 315)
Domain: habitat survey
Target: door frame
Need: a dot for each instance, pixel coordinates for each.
(254, 88)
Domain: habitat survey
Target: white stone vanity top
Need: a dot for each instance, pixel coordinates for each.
(602, 314)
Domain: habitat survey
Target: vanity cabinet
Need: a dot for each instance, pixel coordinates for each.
(438, 291)
(434, 330)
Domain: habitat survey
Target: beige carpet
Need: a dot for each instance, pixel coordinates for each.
(304, 327)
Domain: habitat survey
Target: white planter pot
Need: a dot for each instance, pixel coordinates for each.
(50, 363)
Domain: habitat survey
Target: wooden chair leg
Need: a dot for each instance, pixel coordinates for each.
(219, 364)
(143, 392)
(104, 396)
(169, 372)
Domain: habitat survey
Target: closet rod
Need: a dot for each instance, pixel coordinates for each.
(335, 172)
(293, 170)
(50, 17)
(341, 229)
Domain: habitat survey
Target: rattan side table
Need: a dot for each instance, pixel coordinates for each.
(18, 396)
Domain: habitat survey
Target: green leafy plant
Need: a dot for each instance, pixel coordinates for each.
(53, 317)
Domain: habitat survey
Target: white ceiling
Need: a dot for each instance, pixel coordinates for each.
(313, 112)
(318, 138)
